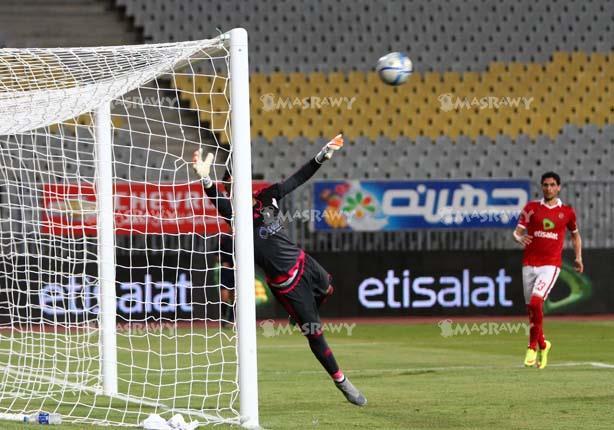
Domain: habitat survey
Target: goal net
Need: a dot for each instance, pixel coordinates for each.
(110, 306)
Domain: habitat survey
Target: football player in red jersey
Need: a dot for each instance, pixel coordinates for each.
(541, 230)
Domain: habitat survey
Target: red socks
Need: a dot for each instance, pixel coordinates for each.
(536, 318)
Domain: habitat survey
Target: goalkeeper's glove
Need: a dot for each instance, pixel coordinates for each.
(203, 167)
(329, 149)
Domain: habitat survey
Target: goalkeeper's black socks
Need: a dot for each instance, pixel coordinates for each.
(323, 353)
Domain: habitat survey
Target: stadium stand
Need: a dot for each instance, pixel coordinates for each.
(351, 35)
(563, 64)
(434, 104)
(52, 23)
(557, 54)
(444, 157)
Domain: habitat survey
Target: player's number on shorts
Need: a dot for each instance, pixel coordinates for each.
(540, 285)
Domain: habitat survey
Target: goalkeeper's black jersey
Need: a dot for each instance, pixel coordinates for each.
(274, 252)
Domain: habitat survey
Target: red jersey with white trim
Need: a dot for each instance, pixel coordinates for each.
(547, 225)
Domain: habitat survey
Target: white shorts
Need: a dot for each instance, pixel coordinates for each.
(538, 281)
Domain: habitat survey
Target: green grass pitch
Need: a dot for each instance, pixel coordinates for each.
(416, 378)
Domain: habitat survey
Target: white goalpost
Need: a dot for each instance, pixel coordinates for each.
(110, 303)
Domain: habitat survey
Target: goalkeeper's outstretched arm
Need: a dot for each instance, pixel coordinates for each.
(310, 168)
(203, 169)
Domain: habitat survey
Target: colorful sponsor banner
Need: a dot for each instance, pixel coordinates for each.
(354, 205)
(140, 208)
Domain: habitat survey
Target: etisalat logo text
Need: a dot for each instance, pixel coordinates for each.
(464, 291)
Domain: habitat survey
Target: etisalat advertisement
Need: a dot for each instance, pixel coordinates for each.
(366, 284)
(149, 285)
(457, 283)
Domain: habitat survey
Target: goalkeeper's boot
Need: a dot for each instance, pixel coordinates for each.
(351, 393)
(543, 355)
(530, 357)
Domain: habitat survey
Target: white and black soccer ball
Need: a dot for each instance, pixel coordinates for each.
(394, 68)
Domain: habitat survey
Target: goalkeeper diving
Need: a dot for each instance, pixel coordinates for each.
(296, 280)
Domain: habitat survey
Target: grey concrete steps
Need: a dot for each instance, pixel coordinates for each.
(51, 10)
(52, 2)
(54, 23)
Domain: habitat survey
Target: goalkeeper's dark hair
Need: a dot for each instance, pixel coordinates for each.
(552, 175)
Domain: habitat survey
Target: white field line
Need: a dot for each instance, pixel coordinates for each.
(596, 365)
(303, 346)
(97, 391)
(602, 365)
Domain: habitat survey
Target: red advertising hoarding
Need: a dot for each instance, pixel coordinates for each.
(140, 208)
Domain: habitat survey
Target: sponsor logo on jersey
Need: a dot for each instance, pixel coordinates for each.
(548, 224)
(546, 235)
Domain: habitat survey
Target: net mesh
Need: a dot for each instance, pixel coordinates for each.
(174, 356)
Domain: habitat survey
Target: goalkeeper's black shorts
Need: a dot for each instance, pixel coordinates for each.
(302, 301)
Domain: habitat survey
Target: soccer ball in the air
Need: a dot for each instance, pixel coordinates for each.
(394, 68)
